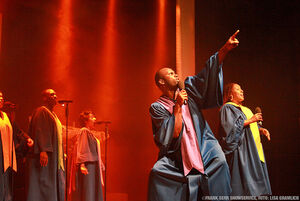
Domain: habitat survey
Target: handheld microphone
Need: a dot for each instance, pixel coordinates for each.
(103, 122)
(64, 101)
(181, 86)
(258, 110)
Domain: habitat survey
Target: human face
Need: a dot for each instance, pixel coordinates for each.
(237, 94)
(170, 78)
(91, 121)
(1, 100)
(51, 97)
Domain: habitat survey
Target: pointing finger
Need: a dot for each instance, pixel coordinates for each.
(234, 35)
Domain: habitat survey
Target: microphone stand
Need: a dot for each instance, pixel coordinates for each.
(66, 104)
(106, 123)
(105, 158)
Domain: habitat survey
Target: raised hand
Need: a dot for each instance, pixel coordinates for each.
(230, 44)
(181, 97)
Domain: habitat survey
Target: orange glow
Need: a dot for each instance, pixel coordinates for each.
(107, 87)
(109, 39)
(161, 33)
(178, 42)
(185, 38)
(61, 49)
(0, 31)
(160, 44)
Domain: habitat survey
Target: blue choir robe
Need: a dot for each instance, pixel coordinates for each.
(19, 178)
(45, 183)
(167, 181)
(20, 140)
(249, 176)
(85, 187)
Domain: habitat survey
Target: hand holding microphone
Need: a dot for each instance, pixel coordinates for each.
(263, 131)
(182, 95)
(259, 115)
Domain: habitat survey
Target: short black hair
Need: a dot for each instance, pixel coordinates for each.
(227, 92)
(9, 107)
(84, 117)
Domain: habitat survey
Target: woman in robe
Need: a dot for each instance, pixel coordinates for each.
(8, 162)
(85, 178)
(22, 143)
(240, 141)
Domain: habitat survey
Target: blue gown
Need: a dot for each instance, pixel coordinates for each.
(249, 176)
(85, 187)
(45, 183)
(167, 181)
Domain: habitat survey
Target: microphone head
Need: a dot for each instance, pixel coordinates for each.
(103, 122)
(257, 110)
(64, 101)
(181, 85)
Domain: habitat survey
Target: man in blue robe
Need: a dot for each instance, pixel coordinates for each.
(46, 167)
(190, 162)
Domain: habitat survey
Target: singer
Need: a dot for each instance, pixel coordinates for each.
(8, 162)
(190, 162)
(22, 143)
(86, 165)
(46, 166)
(240, 140)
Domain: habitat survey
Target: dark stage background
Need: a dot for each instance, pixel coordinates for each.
(266, 65)
(103, 55)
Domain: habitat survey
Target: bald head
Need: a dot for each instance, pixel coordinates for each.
(46, 92)
(49, 97)
(166, 78)
(159, 75)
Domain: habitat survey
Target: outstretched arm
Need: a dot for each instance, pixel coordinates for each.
(231, 43)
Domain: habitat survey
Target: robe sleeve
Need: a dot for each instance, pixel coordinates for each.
(20, 140)
(206, 88)
(163, 128)
(42, 130)
(232, 128)
(86, 147)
